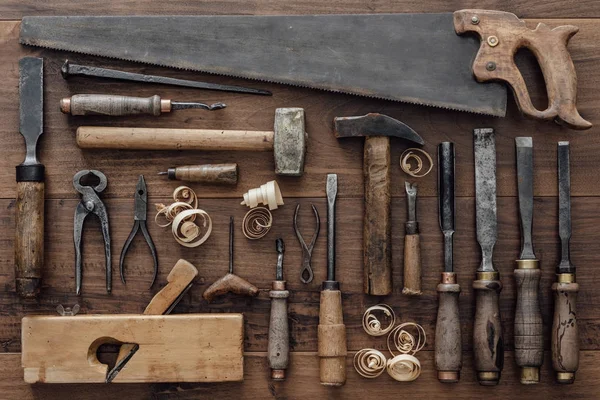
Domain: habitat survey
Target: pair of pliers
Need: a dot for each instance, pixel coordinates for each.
(307, 249)
(140, 208)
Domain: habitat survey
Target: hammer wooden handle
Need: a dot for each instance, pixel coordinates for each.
(106, 104)
(412, 265)
(332, 339)
(565, 333)
(279, 335)
(226, 174)
(488, 341)
(29, 238)
(529, 341)
(98, 137)
(448, 339)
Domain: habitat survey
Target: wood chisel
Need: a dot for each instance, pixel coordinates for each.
(279, 334)
(565, 332)
(412, 245)
(331, 330)
(448, 339)
(529, 342)
(488, 342)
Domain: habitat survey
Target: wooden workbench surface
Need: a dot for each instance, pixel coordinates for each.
(256, 260)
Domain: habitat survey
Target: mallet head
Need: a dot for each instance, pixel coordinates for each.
(374, 124)
(289, 143)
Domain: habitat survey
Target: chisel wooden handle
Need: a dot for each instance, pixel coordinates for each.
(279, 335)
(377, 220)
(225, 174)
(412, 265)
(448, 340)
(488, 342)
(332, 338)
(29, 238)
(99, 137)
(565, 333)
(529, 342)
(106, 104)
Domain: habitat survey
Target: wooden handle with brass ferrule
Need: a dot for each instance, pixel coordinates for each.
(448, 339)
(113, 105)
(529, 341)
(332, 339)
(279, 334)
(412, 260)
(565, 333)
(225, 174)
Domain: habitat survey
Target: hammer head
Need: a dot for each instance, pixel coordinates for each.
(374, 124)
(289, 143)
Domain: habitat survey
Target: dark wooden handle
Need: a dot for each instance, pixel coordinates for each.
(332, 339)
(488, 342)
(565, 333)
(529, 341)
(105, 104)
(279, 335)
(502, 34)
(377, 220)
(225, 174)
(29, 238)
(448, 339)
(412, 265)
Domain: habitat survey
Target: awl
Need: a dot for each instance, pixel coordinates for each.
(279, 333)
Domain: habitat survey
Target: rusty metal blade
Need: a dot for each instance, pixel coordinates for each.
(31, 97)
(415, 58)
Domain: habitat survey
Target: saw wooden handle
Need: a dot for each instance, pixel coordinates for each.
(412, 265)
(332, 339)
(529, 341)
(448, 339)
(99, 137)
(488, 342)
(29, 238)
(279, 334)
(113, 105)
(502, 34)
(565, 333)
(225, 174)
(377, 221)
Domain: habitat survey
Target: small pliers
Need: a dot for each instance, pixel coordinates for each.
(139, 217)
(90, 203)
(307, 250)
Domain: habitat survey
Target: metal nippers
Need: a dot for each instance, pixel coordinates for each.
(90, 203)
(139, 218)
(307, 250)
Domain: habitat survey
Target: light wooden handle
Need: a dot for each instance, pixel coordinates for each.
(225, 174)
(412, 265)
(448, 339)
(279, 335)
(488, 342)
(332, 339)
(29, 238)
(106, 104)
(565, 333)
(529, 341)
(377, 219)
(99, 137)
(502, 34)
(230, 283)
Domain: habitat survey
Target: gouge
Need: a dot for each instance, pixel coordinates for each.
(448, 340)
(225, 174)
(331, 330)
(29, 232)
(488, 342)
(412, 245)
(113, 105)
(529, 342)
(279, 335)
(565, 333)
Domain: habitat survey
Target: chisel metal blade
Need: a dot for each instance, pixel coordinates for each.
(525, 188)
(31, 94)
(446, 199)
(564, 209)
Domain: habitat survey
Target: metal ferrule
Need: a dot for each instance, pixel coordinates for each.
(330, 285)
(530, 375)
(488, 275)
(165, 106)
(565, 278)
(279, 285)
(412, 227)
(448, 278)
(528, 264)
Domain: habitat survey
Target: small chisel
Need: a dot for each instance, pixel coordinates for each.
(412, 246)
(225, 174)
(114, 105)
(279, 337)
(565, 333)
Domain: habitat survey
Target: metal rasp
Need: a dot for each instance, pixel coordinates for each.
(448, 342)
(565, 332)
(29, 233)
(488, 343)
(529, 341)
(415, 58)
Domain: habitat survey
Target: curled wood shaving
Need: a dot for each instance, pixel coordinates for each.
(410, 154)
(369, 363)
(185, 194)
(404, 341)
(404, 368)
(372, 325)
(169, 213)
(189, 234)
(257, 223)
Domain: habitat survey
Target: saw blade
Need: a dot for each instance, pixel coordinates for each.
(415, 58)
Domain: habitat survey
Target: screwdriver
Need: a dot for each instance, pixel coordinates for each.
(114, 105)
(279, 337)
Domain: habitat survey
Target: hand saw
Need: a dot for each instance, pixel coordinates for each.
(415, 58)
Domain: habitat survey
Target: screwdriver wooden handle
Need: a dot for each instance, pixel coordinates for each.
(565, 333)
(279, 335)
(488, 341)
(29, 238)
(102, 137)
(225, 174)
(332, 339)
(529, 341)
(448, 339)
(113, 105)
(412, 265)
